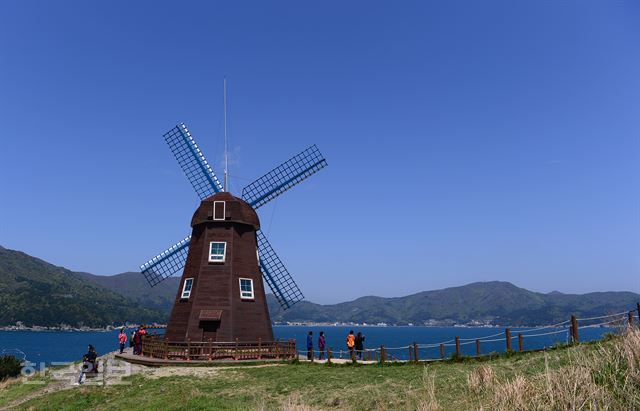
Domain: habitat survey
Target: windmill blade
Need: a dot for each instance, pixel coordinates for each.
(192, 161)
(276, 275)
(283, 177)
(167, 263)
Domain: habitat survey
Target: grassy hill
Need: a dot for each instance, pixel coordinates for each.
(134, 287)
(602, 375)
(38, 293)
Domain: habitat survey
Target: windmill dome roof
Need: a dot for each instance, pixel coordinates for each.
(225, 208)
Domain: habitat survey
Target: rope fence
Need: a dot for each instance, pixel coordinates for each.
(571, 328)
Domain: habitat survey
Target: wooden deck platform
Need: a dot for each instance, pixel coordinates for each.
(158, 362)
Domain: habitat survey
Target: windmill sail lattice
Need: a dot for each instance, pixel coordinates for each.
(192, 162)
(167, 263)
(283, 177)
(276, 275)
(256, 194)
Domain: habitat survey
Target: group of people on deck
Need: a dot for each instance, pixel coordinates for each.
(135, 342)
(355, 345)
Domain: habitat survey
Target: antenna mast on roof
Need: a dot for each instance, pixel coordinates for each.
(226, 156)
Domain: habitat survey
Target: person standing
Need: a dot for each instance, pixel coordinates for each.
(122, 339)
(321, 345)
(142, 332)
(137, 342)
(359, 343)
(133, 336)
(310, 345)
(351, 342)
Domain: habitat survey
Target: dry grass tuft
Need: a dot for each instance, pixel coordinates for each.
(294, 402)
(427, 400)
(605, 379)
(480, 379)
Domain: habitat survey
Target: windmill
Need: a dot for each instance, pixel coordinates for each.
(226, 258)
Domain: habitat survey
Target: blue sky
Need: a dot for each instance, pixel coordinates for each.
(467, 141)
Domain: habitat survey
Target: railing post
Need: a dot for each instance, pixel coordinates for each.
(416, 352)
(638, 308)
(410, 348)
(630, 319)
(507, 336)
(478, 352)
(520, 342)
(312, 354)
(189, 349)
(166, 349)
(442, 351)
(383, 354)
(329, 355)
(457, 348)
(235, 355)
(210, 350)
(575, 335)
(259, 348)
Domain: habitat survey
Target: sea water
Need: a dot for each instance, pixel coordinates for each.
(47, 347)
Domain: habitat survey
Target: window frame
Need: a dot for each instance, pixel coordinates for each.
(224, 253)
(224, 210)
(184, 288)
(246, 297)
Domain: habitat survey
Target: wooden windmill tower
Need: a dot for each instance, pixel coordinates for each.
(221, 295)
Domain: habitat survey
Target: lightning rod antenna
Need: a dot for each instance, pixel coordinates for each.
(226, 157)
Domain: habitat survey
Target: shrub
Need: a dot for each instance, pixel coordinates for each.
(10, 366)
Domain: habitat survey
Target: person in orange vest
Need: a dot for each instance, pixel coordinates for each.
(351, 342)
(122, 339)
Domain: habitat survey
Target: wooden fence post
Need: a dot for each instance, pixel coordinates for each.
(630, 319)
(410, 348)
(235, 355)
(458, 347)
(507, 336)
(442, 351)
(210, 350)
(575, 335)
(166, 349)
(329, 355)
(383, 354)
(478, 352)
(259, 348)
(638, 307)
(520, 342)
(416, 352)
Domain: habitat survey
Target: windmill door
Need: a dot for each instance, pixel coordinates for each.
(209, 323)
(209, 330)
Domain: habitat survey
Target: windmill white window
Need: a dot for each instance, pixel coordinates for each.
(219, 209)
(217, 251)
(186, 288)
(246, 288)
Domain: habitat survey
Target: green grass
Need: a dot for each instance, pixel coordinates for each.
(313, 386)
(12, 390)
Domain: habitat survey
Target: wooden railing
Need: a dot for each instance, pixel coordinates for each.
(156, 346)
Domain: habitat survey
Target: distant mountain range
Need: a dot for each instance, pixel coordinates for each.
(35, 292)
(38, 293)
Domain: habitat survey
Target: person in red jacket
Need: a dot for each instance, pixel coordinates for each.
(122, 339)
